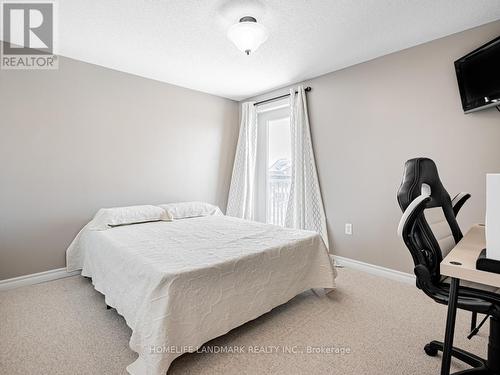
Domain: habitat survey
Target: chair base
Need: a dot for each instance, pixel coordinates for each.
(479, 365)
(491, 366)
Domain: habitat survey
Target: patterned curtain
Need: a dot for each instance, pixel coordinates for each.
(305, 206)
(241, 202)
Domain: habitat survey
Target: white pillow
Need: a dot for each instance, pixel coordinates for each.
(107, 218)
(184, 210)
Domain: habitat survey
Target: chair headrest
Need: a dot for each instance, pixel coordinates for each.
(420, 174)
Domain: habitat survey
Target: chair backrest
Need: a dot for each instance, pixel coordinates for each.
(435, 231)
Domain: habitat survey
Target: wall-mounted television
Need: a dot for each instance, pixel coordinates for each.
(478, 75)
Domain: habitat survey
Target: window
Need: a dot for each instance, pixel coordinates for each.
(273, 163)
(279, 168)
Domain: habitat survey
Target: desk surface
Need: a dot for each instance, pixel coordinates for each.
(466, 253)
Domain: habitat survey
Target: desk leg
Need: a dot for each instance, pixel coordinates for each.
(494, 346)
(450, 327)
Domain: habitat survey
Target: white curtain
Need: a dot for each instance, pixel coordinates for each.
(305, 206)
(241, 201)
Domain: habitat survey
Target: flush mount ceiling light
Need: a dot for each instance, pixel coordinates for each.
(247, 34)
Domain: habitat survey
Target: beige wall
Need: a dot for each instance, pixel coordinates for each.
(85, 137)
(367, 120)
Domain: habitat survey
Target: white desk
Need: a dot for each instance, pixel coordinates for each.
(465, 253)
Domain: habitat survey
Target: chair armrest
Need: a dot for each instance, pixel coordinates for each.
(459, 201)
(411, 213)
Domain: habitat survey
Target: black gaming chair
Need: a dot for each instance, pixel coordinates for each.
(430, 230)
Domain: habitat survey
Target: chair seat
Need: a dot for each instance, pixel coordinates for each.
(473, 285)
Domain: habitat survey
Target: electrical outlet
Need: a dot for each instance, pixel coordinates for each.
(348, 229)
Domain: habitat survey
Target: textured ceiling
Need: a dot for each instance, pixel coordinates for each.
(183, 42)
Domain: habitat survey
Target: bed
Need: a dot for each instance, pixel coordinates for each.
(181, 283)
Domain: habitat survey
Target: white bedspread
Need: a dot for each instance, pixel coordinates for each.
(180, 284)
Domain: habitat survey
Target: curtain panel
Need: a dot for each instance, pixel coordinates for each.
(305, 205)
(242, 200)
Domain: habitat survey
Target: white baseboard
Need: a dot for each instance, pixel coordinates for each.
(35, 278)
(375, 270)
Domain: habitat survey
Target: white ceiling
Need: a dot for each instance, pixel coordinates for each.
(184, 42)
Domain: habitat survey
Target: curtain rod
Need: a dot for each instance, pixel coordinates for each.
(307, 89)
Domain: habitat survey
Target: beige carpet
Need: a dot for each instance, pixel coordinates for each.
(63, 327)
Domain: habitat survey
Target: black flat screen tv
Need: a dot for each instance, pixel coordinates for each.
(478, 75)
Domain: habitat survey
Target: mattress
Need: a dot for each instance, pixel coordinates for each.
(180, 284)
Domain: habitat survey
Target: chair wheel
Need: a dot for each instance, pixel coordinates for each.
(430, 350)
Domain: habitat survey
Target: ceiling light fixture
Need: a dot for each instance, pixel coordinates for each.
(247, 34)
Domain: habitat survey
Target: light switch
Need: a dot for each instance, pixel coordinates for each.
(348, 229)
